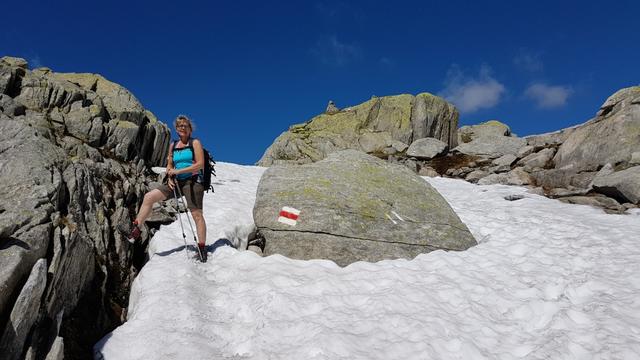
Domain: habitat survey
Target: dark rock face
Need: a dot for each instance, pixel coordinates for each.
(73, 151)
(355, 207)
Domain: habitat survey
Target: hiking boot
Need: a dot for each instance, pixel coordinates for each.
(136, 233)
(132, 232)
(203, 252)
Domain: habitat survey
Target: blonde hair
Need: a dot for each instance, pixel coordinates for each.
(185, 118)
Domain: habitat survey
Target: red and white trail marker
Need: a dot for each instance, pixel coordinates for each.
(289, 216)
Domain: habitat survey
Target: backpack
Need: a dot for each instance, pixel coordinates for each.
(209, 165)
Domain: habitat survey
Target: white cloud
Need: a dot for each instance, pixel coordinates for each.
(547, 96)
(334, 52)
(528, 61)
(472, 94)
(34, 62)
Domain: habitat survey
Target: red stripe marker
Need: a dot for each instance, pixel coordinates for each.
(289, 216)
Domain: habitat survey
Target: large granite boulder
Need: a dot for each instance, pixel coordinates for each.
(622, 185)
(355, 207)
(611, 137)
(65, 187)
(380, 126)
(538, 160)
(491, 146)
(468, 133)
(426, 148)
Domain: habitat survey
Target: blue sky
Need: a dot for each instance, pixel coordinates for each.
(246, 70)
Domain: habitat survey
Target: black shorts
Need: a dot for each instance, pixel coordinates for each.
(192, 190)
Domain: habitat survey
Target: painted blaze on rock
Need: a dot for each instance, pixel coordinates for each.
(355, 207)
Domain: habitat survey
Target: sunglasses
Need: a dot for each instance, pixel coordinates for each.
(182, 127)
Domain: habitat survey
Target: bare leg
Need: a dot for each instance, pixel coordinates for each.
(201, 226)
(150, 198)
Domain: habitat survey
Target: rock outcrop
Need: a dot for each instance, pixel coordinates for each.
(594, 163)
(611, 137)
(469, 133)
(566, 164)
(381, 127)
(355, 207)
(74, 149)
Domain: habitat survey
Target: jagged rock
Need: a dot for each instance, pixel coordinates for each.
(635, 158)
(622, 185)
(469, 133)
(57, 350)
(525, 151)
(609, 138)
(85, 123)
(24, 313)
(491, 146)
(374, 127)
(11, 72)
(539, 160)
(355, 207)
(164, 213)
(63, 192)
(14, 62)
(516, 176)
(45, 92)
(507, 160)
(426, 148)
(30, 189)
(604, 171)
(10, 107)
(121, 104)
(620, 101)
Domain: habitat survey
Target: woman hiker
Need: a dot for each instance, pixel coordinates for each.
(184, 168)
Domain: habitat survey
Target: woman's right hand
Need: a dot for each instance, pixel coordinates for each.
(171, 183)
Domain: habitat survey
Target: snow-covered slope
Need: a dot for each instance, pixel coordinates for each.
(547, 281)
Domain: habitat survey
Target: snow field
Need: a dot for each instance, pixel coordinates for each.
(547, 281)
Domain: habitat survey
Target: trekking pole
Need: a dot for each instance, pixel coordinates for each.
(184, 236)
(189, 221)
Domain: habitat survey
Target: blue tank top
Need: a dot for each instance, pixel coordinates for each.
(183, 158)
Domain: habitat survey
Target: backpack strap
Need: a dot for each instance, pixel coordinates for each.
(189, 145)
